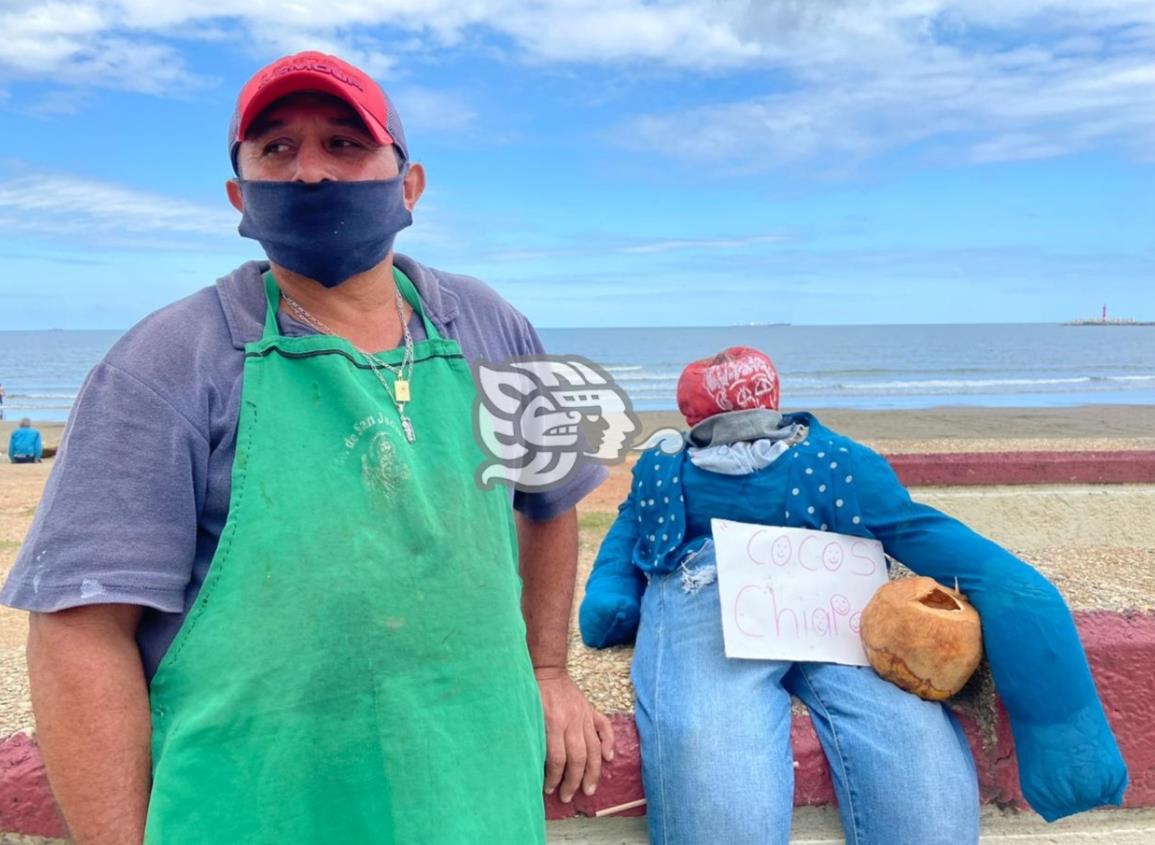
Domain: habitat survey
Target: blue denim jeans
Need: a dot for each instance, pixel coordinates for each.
(715, 736)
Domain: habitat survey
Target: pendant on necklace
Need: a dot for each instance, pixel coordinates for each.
(406, 425)
(401, 387)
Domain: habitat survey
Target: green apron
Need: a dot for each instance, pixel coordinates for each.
(354, 669)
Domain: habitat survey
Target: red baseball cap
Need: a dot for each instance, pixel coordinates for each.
(313, 71)
(736, 379)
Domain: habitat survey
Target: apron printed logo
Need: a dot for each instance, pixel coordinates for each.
(538, 418)
(375, 438)
(380, 468)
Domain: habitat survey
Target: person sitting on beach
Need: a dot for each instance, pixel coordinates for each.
(715, 732)
(24, 444)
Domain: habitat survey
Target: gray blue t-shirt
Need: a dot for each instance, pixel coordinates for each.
(139, 493)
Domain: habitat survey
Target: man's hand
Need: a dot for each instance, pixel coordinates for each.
(577, 737)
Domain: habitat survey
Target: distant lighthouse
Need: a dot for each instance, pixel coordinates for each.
(1105, 321)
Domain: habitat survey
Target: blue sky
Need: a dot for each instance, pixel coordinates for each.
(617, 162)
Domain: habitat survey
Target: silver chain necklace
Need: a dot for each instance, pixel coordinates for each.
(402, 375)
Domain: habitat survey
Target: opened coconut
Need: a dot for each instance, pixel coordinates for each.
(922, 636)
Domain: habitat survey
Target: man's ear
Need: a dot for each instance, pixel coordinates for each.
(236, 198)
(414, 185)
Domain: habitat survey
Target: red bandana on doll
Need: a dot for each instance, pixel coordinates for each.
(736, 379)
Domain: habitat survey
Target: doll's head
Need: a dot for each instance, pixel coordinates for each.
(736, 379)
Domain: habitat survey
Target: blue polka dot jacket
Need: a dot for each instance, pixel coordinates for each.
(1068, 758)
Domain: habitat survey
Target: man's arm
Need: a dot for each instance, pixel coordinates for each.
(92, 719)
(577, 736)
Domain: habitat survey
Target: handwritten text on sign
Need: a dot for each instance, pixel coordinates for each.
(794, 594)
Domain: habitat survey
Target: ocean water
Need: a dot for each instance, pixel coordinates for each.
(890, 367)
(42, 372)
(866, 367)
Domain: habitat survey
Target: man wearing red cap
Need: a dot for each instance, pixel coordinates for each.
(285, 612)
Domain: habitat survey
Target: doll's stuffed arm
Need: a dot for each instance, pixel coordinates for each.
(610, 611)
(1068, 758)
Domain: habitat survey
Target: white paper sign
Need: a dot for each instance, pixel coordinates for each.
(793, 593)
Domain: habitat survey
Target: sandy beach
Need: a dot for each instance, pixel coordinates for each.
(1097, 544)
(938, 429)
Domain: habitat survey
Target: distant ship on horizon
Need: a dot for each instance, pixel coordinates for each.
(1104, 320)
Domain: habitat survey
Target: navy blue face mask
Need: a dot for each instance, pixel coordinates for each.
(325, 231)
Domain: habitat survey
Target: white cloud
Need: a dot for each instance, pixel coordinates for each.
(51, 205)
(56, 103)
(699, 244)
(693, 34)
(987, 105)
(81, 44)
(845, 79)
(279, 38)
(431, 110)
(616, 244)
